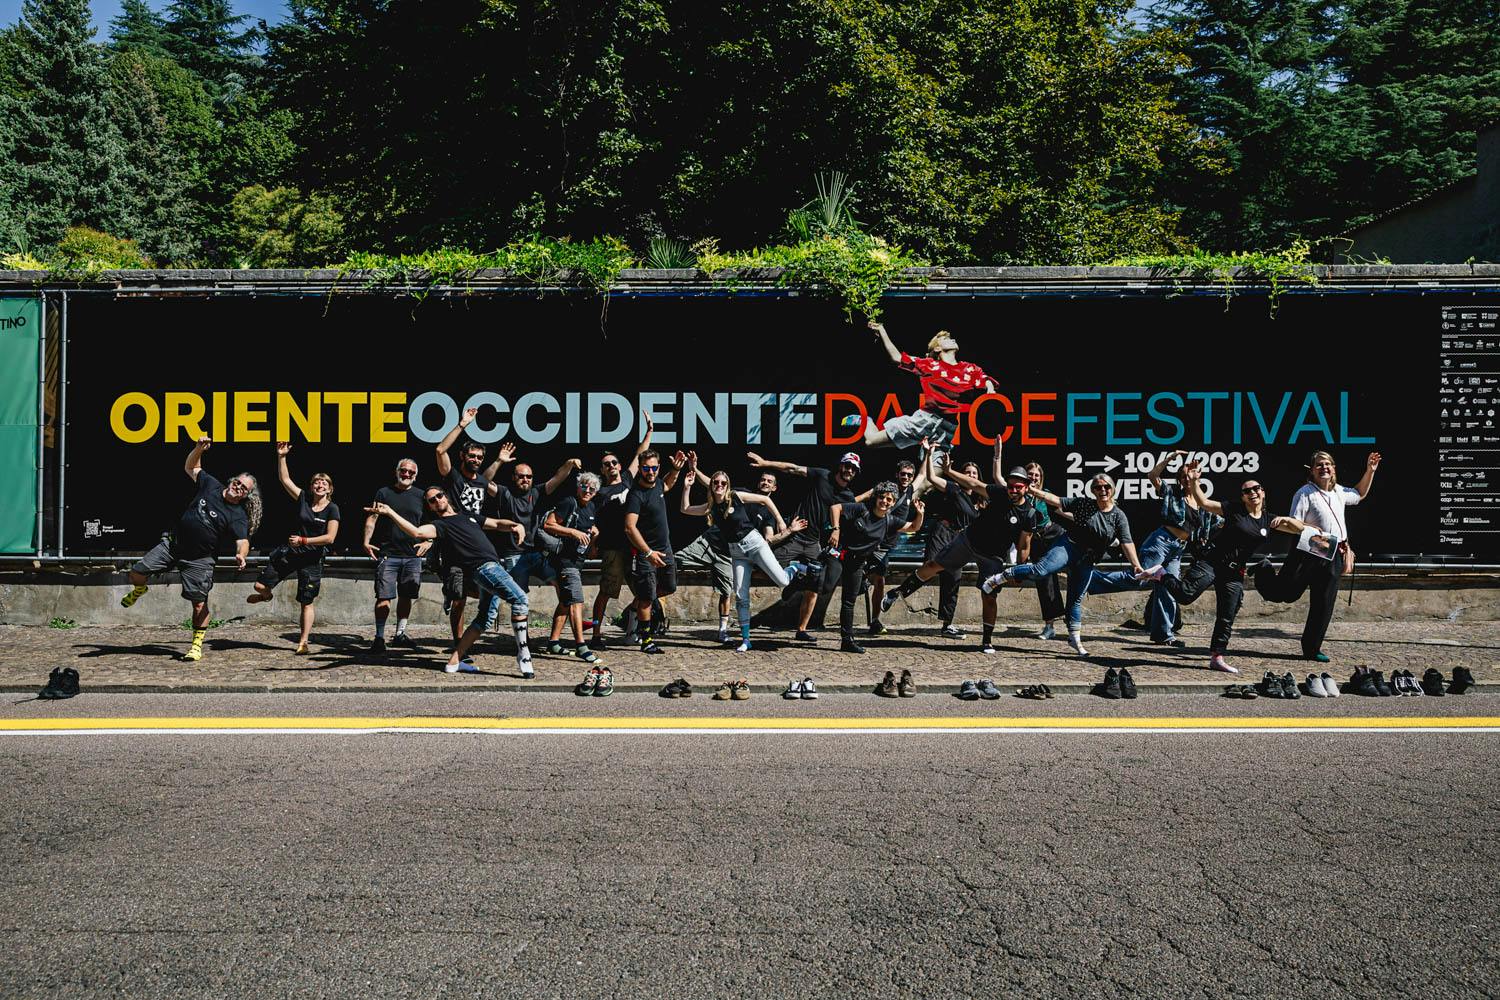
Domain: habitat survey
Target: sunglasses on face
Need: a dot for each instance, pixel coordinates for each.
(519, 477)
(1253, 489)
(650, 468)
(406, 473)
(239, 486)
(1101, 488)
(432, 499)
(611, 461)
(719, 482)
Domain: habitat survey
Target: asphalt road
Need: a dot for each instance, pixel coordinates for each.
(1358, 864)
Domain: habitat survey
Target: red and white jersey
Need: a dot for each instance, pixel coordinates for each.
(948, 388)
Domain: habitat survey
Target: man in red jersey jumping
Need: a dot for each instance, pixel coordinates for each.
(949, 388)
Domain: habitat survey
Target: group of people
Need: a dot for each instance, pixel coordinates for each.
(490, 542)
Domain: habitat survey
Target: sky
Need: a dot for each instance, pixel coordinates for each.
(105, 10)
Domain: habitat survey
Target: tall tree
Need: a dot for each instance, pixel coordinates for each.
(153, 207)
(139, 28)
(58, 151)
(207, 37)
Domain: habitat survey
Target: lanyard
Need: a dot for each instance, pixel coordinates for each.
(1343, 531)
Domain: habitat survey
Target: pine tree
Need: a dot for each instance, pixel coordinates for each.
(138, 28)
(153, 207)
(58, 151)
(207, 37)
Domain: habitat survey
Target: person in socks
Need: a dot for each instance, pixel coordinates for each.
(461, 538)
(729, 511)
(911, 485)
(468, 490)
(317, 529)
(653, 570)
(1048, 594)
(218, 515)
(858, 530)
(1007, 518)
(609, 517)
(572, 521)
(1221, 564)
(398, 560)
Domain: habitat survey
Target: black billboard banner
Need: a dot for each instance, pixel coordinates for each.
(1086, 383)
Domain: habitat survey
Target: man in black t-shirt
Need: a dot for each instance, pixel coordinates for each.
(910, 485)
(218, 515)
(1221, 564)
(808, 544)
(398, 560)
(858, 531)
(468, 489)
(615, 557)
(461, 537)
(653, 571)
(525, 504)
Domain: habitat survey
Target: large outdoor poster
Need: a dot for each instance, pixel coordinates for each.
(1085, 383)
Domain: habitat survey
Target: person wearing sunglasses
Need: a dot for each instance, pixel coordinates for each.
(317, 529)
(1221, 564)
(910, 484)
(729, 512)
(995, 516)
(1094, 525)
(612, 547)
(808, 544)
(218, 514)
(460, 535)
(521, 502)
(653, 570)
(468, 487)
(398, 560)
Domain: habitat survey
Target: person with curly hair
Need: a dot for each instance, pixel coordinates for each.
(318, 528)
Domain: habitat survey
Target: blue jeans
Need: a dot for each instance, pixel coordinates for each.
(1080, 567)
(520, 566)
(494, 586)
(1160, 547)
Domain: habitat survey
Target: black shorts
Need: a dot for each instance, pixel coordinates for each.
(456, 586)
(798, 549)
(648, 582)
(306, 563)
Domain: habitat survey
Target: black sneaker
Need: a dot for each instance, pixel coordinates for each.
(651, 648)
(377, 648)
(447, 607)
(877, 627)
(53, 686)
(949, 632)
(848, 645)
(1381, 687)
(804, 636)
(1362, 682)
(403, 640)
(1110, 688)
(67, 683)
(1127, 684)
(1462, 681)
(1270, 685)
(1432, 683)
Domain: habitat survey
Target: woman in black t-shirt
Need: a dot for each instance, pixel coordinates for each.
(318, 527)
(1221, 564)
(728, 510)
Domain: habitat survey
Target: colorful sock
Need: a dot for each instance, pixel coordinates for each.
(380, 628)
(401, 626)
(523, 647)
(643, 631)
(745, 629)
(133, 596)
(198, 634)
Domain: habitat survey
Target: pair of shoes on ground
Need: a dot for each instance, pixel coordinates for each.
(1283, 687)
(1321, 686)
(1116, 685)
(1037, 692)
(63, 683)
(891, 687)
(399, 640)
(582, 652)
(1433, 680)
(974, 690)
(804, 689)
(679, 688)
(1241, 691)
(598, 683)
(1369, 683)
(732, 690)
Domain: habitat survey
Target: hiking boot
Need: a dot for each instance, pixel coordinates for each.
(1362, 683)
(1381, 687)
(740, 691)
(68, 683)
(1462, 681)
(906, 687)
(1432, 683)
(53, 687)
(887, 688)
(1289, 687)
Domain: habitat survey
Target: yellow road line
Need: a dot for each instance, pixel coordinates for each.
(668, 724)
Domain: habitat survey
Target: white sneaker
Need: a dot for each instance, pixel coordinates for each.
(1331, 688)
(1047, 632)
(889, 601)
(793, 690)
(1315, 687)
(809, 689)
(1076, 641)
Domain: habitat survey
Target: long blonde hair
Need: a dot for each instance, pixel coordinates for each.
(729, 496)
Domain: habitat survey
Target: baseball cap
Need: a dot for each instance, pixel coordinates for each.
(851, 458)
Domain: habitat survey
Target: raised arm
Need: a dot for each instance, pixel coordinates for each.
(283, 473)
(1371, 464)
(561, 476)
(915, 524)
(426, 531)
(997, 467)
(934, 477)
(1195, 487)
(506, 453)
(194, 463)
(678, 459)
(968, 482)
(444, 463)
(793, 526)
(1155, 474)
(687, 506)
(644, 446)
(1050, 499)
(885, 341)
(756, 462)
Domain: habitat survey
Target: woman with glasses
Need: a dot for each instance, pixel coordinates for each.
(461, 538)
(1221, 563)
(318, 528)
(1095, 524)
(729, 510)
(572, 521)
(1048, 594)
(217, 514)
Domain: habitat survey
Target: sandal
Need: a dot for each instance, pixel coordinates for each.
(672, 690)
(1234, 691)
(1045, 690)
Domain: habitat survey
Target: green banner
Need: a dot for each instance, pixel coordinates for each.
(20, 340)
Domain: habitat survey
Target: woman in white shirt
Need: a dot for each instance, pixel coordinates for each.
(1320, 504)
